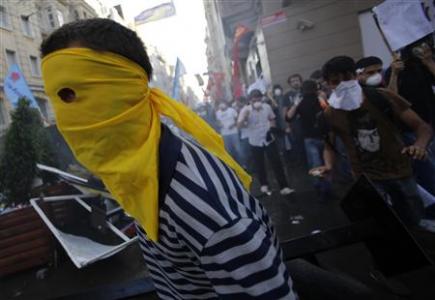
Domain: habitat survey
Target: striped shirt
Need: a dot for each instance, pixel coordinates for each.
(215, 240)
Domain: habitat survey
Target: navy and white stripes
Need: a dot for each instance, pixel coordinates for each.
(215, 240)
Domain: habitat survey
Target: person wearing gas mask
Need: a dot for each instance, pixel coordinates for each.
(259, 119)
(372, 140)
(226, 117)
(413, 77)
(369, 71)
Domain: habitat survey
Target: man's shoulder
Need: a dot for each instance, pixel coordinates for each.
(266, 106)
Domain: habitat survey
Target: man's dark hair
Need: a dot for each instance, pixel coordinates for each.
(368, 61)
(243, 99)
(309, 87)
(255, 93)
(294, 76)
(316, 75)
(100, 35)
(277, 86)
(344, 65)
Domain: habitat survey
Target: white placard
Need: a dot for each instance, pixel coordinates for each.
(402, 22)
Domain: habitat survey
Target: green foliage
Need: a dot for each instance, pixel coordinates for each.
(26, 144)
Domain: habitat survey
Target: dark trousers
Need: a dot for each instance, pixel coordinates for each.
(271, 151)
(403, 195)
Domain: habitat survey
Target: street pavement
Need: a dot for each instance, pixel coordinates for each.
(296, 215)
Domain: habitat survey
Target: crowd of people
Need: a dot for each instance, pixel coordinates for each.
(202, 233)
(352, 118)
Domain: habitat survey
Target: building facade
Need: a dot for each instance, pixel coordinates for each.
(23, 26)
(313, 32)
(289, 36)
(223, 19)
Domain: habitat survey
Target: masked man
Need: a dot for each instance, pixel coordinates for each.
(369, 71)
(203, 235)
(365, 121)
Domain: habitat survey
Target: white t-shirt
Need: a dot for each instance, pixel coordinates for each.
(258, 123)
(227, 119)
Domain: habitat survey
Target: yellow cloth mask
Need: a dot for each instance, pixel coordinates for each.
(113, 126)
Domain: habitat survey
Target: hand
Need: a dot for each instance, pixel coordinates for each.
(321, 171)
(298, 100)
(397, 66)
(288, 130)
(322, 95)
(232, 126)
(416, 152)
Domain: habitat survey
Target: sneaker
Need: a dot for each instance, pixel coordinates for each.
(265, 190)
(286, 191)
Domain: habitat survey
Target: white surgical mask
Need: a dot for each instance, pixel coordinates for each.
(278, 92)
(346, 96)
(257, 105)
(374, 80)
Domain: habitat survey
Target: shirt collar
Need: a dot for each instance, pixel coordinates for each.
(169, 152)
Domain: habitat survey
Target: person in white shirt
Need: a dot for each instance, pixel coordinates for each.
(227, 122)
(259, 118)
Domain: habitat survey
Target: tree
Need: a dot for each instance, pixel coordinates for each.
(26, 144)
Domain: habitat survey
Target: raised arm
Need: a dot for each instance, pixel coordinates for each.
(422, 130)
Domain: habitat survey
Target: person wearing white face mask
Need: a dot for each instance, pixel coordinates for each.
(259, 119)
(360, 117)
(227, 123)
(369, 71)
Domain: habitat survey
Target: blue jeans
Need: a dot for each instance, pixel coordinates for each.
(314, 152)
(232, 144)
(404, 197)
(424, 170)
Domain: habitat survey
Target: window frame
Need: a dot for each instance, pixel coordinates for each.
(17, 62)
(23, 26)
(38, 69)
(3, 118)
(8, 23)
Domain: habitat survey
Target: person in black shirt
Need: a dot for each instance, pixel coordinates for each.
(308, 110)
(413, 78)
(293, 129)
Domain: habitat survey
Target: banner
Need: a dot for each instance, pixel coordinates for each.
(276, 18)
(179, 71)
(429, 9)
(402, 22)
(15, 87)
(239, 32)
(156, 13)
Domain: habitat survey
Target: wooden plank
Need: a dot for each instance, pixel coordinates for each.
(31, 235)
(43, 251)
(24, 246)
(27, 211)
(18, 219)
(6, 233)
(24, 265)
